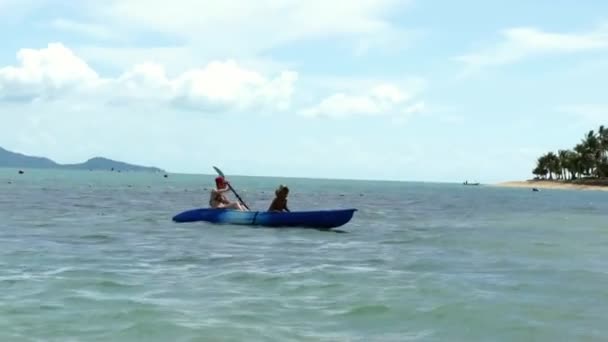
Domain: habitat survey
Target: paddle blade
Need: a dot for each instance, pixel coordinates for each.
(219, 172)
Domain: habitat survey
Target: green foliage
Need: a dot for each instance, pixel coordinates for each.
(589, 158)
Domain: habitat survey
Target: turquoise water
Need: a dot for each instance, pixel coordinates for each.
(95, 256)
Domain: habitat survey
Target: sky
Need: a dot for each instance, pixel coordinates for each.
(413, 90)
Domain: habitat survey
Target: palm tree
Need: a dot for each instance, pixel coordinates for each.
(602, 137)
(553, 164)
(588, 158)
(572, 163)
(541, 169)
(590, 151)
(594, 149)
(565, 162)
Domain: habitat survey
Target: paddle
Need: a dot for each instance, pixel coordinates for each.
(230, 187)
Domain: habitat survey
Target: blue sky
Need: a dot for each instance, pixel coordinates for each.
(372, 89)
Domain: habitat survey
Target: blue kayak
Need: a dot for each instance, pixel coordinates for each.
(320, 219)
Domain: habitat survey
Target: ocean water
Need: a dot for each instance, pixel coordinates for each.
(94, 256)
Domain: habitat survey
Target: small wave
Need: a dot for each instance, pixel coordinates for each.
(16, 278)
(218, 256)
(187, 259)
(375, 261)
(246, 317)
(546, 244)
(111, 284)
(87, 206)
(443, 310)
(365, 310)
(51, 307)
(241, 276)
(397, 242)
(306, 288)
(58, 271)
(152, 325)
(143, 219)
(99, 238)
(94, 298)
(331, 286)
(10, 282)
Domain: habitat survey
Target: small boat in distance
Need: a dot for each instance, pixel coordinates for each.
(467, 183)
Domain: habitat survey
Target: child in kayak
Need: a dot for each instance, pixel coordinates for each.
(280, 201)
(219, 200)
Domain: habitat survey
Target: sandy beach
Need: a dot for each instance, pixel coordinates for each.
(545, 184)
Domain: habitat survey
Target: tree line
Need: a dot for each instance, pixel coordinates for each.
(588, 159)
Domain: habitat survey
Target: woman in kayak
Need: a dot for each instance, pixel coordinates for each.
(280, 201)
(219, 200)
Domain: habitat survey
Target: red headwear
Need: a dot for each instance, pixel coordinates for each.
(220, 182)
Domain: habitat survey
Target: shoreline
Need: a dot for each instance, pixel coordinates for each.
(547, 184)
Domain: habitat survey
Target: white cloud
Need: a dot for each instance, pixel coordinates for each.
(523, 42)
(55, 72)
(184, 15)
(189, 31)
(174, 58)
(220, 83)
(45, 73)
(235, 27)
(381, 100)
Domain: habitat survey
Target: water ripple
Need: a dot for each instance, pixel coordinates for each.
(96, 257)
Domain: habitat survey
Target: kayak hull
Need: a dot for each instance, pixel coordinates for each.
(320, 219)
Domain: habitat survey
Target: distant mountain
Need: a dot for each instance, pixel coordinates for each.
(18, 160)
(12, 159)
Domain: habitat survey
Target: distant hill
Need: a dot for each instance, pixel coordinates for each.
(18, 160)
(12, 159)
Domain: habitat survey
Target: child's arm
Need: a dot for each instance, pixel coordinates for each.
(273, 205)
